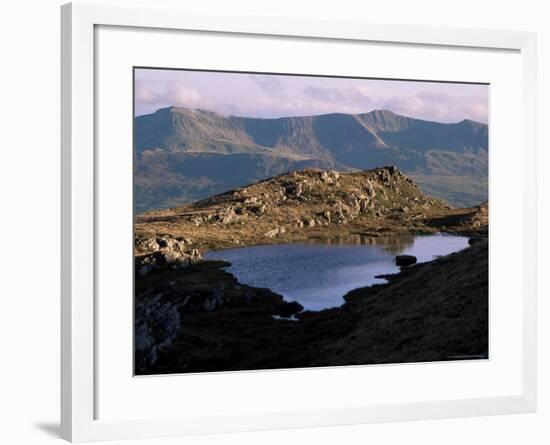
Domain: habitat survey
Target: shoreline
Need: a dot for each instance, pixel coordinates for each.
(462, 223)
(260, 306)
(307, 204)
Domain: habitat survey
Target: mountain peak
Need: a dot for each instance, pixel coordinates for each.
(383, 112)
(473, 123)
(187, 111)
(386, 121)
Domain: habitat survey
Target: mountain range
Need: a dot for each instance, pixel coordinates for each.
(183, 155)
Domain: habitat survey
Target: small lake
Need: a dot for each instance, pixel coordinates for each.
(318, 273)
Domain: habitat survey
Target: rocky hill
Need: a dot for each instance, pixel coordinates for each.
(182, 155)
(298, 206)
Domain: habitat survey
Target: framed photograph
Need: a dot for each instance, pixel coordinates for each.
(274, 223)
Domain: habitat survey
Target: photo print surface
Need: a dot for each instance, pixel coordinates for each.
(297, 221)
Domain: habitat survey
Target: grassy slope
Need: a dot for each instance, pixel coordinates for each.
(460, 191)
(434, 311)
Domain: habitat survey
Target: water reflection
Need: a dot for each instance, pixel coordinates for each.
(391, 244)
(318, 273)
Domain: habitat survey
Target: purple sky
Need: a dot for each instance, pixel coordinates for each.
(259, 95)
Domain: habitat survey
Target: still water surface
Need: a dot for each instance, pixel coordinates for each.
(318, 273)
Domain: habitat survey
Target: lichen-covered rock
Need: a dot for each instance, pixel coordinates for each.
(274, 232)
(164, 251)
(330, 177)
(228, 216)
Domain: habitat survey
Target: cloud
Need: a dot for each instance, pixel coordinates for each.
(268, 83)
(148, 98)
(477, 112)
(422, 104)
(145, 95)
(438, 106)
(183, 95)
(351, 99)
(268, 96)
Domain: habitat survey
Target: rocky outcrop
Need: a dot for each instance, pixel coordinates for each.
(295, 207)
(330, 177)
(228, 216)
(274, 232)
(157, 323)
(161, 309)
(164, 251)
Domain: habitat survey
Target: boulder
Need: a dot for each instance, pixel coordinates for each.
(405, 260)
(274, 232)
(330, 177)
(229, 216)
(369, 189)
(286, 309)
(251, 200)
(147, 244)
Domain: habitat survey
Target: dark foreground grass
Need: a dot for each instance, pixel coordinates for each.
(429, 312)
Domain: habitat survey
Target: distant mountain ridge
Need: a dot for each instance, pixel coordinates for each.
(183, 155)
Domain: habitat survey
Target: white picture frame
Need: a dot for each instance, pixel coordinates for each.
(79, 420)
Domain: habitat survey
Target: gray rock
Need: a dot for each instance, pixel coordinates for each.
(369, 189)
(274, 232)
(157, 324)
(251, 200)
(171, 252)
(330, 177)
(228, 216)
(147, 244)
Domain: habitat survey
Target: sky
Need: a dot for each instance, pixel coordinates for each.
(269, 95)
